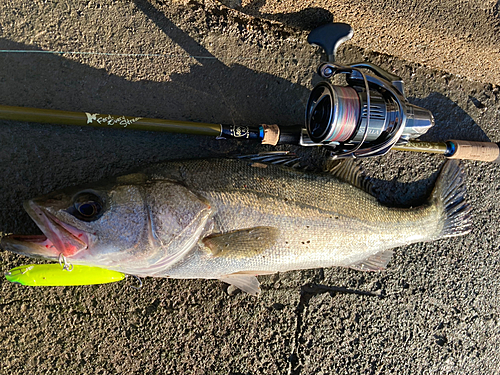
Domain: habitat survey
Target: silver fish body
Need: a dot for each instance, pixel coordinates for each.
(234, 219)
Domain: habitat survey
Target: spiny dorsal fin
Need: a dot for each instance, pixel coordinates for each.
(242, 243)
(347, 170)
(273, 157)
(376, 262)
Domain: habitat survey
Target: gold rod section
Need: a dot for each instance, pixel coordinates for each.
(107, 121)
(429, 147)
(457, 149)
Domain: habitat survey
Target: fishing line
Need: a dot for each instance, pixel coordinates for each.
(347, 114)
(166, 55)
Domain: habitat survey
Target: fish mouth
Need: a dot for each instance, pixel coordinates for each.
(57, 238)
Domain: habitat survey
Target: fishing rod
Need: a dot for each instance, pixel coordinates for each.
(367, 117)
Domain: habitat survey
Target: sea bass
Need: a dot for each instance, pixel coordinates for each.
(232, 220)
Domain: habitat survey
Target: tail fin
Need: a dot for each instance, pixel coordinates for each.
(449, 193)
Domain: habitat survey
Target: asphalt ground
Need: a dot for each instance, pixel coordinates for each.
(434, 310)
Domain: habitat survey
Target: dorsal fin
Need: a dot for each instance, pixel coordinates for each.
(273, 157)
(347, 170)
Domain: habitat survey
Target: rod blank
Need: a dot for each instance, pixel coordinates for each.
(52, 116)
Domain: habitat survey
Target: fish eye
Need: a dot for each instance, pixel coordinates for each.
(87, 206)
(88, 209)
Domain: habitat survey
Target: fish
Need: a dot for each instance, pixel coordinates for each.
(235, 219)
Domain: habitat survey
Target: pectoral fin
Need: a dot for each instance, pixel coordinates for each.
(246, 283)
(242, 243)
(377, 262)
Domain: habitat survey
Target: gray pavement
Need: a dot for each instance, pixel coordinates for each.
(434, 310)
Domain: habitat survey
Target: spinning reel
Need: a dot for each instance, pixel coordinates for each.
(365, 118)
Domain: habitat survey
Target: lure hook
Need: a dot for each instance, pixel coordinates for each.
(140, 282)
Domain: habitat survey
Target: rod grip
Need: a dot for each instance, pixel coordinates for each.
(482, 151)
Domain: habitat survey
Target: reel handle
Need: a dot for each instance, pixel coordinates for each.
(329, 37)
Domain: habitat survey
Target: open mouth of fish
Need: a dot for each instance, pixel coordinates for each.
(57, 238)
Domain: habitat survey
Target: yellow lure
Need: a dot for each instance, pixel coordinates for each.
(54, 275)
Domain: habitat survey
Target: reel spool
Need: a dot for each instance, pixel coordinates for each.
(366, 118)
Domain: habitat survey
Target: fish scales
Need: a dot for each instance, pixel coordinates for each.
(309, 237)
(291, 184)
(234, 219)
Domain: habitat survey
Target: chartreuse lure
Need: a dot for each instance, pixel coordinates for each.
(54, 275)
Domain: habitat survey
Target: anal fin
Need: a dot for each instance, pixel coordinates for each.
(376, 262)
